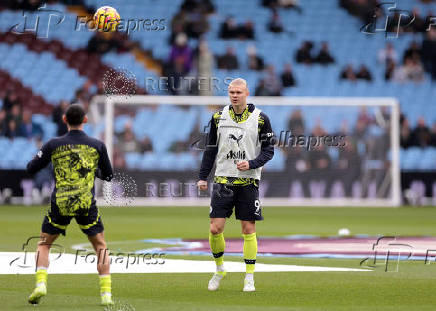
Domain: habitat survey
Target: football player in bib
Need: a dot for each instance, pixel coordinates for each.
(239, 143)
(76, 161)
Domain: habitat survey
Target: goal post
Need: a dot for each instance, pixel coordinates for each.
(375, 148)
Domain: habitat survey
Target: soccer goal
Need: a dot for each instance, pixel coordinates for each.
(329, 151)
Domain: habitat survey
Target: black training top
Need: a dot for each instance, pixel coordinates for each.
(77, 159)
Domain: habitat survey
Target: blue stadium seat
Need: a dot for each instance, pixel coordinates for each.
(37, 72)
(41, 71)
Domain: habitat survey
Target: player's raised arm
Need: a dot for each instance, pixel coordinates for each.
(41, 159)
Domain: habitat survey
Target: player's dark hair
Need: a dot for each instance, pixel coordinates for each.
(75, 114)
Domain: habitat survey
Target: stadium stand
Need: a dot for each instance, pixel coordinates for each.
(34, 64)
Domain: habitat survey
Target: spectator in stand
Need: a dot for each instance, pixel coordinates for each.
(181, 52)
(104, 42)
(179, 64)
(360, 131)
(418, 24)
(191, 19)
(272, 83)
(318, 130)
(10, 100)
(246, 31)
(196, 23)
(100, 43)
(15, 114)
(414, 51)
(433, 135)
(31, 5)
(229, 29)
(412, 70)
(178, 24)
(261, 89)
(303, 54)
(405, 134)
(175, 76)
(320, 167)
(205, 62)
(387, 54)
(343, 130)
(127, 141)
(30, 129)
(429, 52)
(12, 130)
(384, 116)
(297, 167)
(421, 134)
(296, 123)
(2, 122)
(205, 6)
(349, 166)
(287, 4)
(364, 9)
(363, 74)
(365, 117)
(82, 97)
(324, 57)
(348, 73)
(291, 4)
(57, 114)
(275, 24)
(254, 61)
(176, 29)
(270, 3)
(287, 76)
(229, 60)
(389, 70)
(146, 145)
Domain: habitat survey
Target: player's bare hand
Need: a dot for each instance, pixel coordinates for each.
(243, 166)
(202, 185)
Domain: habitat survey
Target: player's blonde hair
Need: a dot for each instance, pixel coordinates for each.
(239, 82)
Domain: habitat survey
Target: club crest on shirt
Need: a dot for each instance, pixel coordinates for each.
(237, 139)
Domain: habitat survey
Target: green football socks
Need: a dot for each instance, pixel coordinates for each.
(217, 246)
(250, 251)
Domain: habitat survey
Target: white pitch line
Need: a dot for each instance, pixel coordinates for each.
(13, 263)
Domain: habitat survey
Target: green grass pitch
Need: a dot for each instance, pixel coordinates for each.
(413, 287)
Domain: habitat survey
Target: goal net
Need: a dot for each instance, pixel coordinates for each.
(328, 151)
